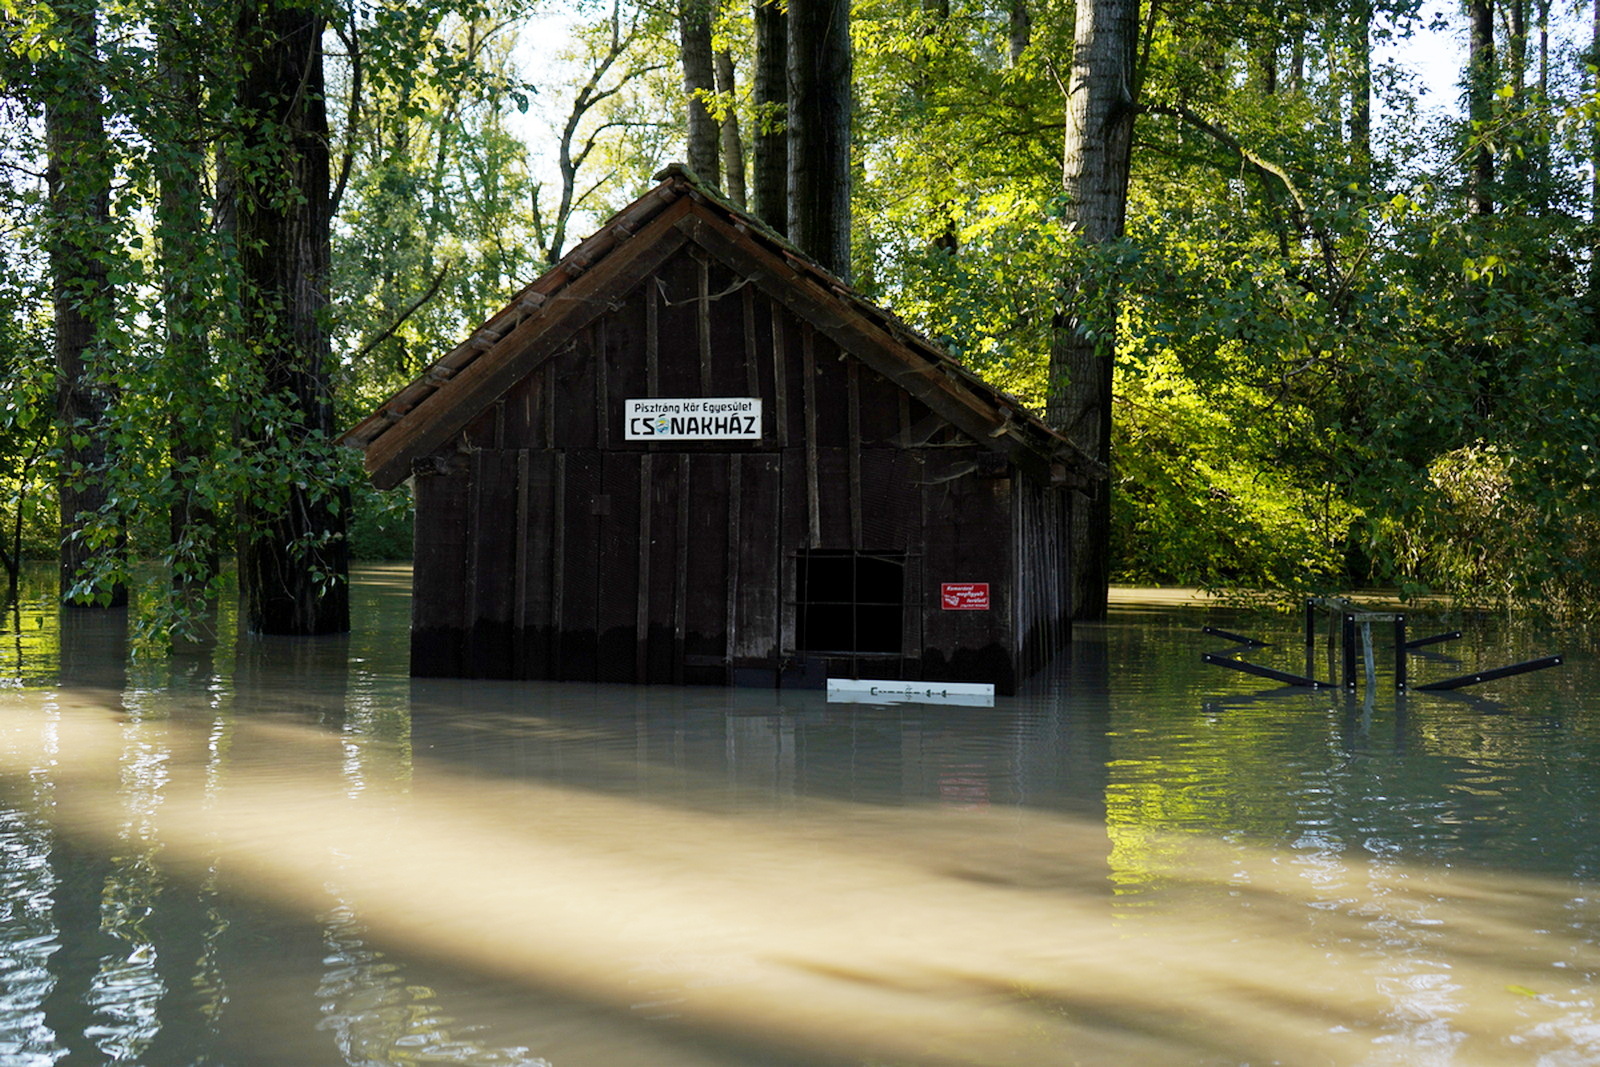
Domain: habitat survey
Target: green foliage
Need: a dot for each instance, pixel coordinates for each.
(435, 227)
(1207, 494)
(985, 304)
(1328, 372)
(27, 381)
(195, 449)
(380, 523)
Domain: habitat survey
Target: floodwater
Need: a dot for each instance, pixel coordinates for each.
(286, 852)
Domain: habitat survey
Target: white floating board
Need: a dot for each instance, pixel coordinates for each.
(870, 691)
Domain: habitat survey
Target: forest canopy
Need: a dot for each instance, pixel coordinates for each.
(1350, 323)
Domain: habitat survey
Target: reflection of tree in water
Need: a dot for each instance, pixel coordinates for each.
(378, 1017)
(30, 650)
(127, 988)
(27, 940)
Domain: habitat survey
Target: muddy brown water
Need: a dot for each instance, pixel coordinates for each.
(287, 852)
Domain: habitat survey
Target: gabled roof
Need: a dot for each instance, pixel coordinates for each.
(435, 407)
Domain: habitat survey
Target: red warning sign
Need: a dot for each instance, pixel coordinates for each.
(964, 596)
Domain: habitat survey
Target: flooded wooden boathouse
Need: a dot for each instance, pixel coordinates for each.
(688, 454)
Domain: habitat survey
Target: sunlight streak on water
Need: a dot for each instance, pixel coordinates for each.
(1000, 947)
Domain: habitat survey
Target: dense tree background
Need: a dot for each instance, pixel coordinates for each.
(1335, 333)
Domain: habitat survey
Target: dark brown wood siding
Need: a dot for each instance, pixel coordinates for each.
(964, 519)
(1043, 600)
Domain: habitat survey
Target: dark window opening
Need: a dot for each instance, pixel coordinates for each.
(848, 601)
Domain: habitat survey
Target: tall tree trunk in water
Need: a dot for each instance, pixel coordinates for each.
(732, 143)
(819, 131)
(699, 81)
(294, 558)
(769, 187)
(185, 279)
(1099, 137)
(1480, 105)
(79, 179)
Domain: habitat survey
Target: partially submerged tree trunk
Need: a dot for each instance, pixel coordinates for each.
(819, 131)
(79, 176)
(294, 559)
(1098, 143)
(769, 187)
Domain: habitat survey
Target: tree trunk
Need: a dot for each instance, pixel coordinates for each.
(1594, 180)
(936, 26)
(1361, 92)
(1019, 29)
(1522, 161)
(185, 281)
(294, 565)
(1517, 49)
(699, 81)
(79, 179)
(1541, 146)
(1265, 68)
(769, 188)
(819, 131)
(732, 143)
(1480, 105)
(1098, 143)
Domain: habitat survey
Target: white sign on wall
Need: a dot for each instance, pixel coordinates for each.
(707, 418)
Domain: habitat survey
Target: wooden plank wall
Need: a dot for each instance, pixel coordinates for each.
(756, 568)
(439, 569)
(616, 582)
(491, 557)
(961, 514)
(1042, 606)
(578, 564)
(537, 609)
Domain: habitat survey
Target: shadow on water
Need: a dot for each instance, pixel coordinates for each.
(287, 852)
